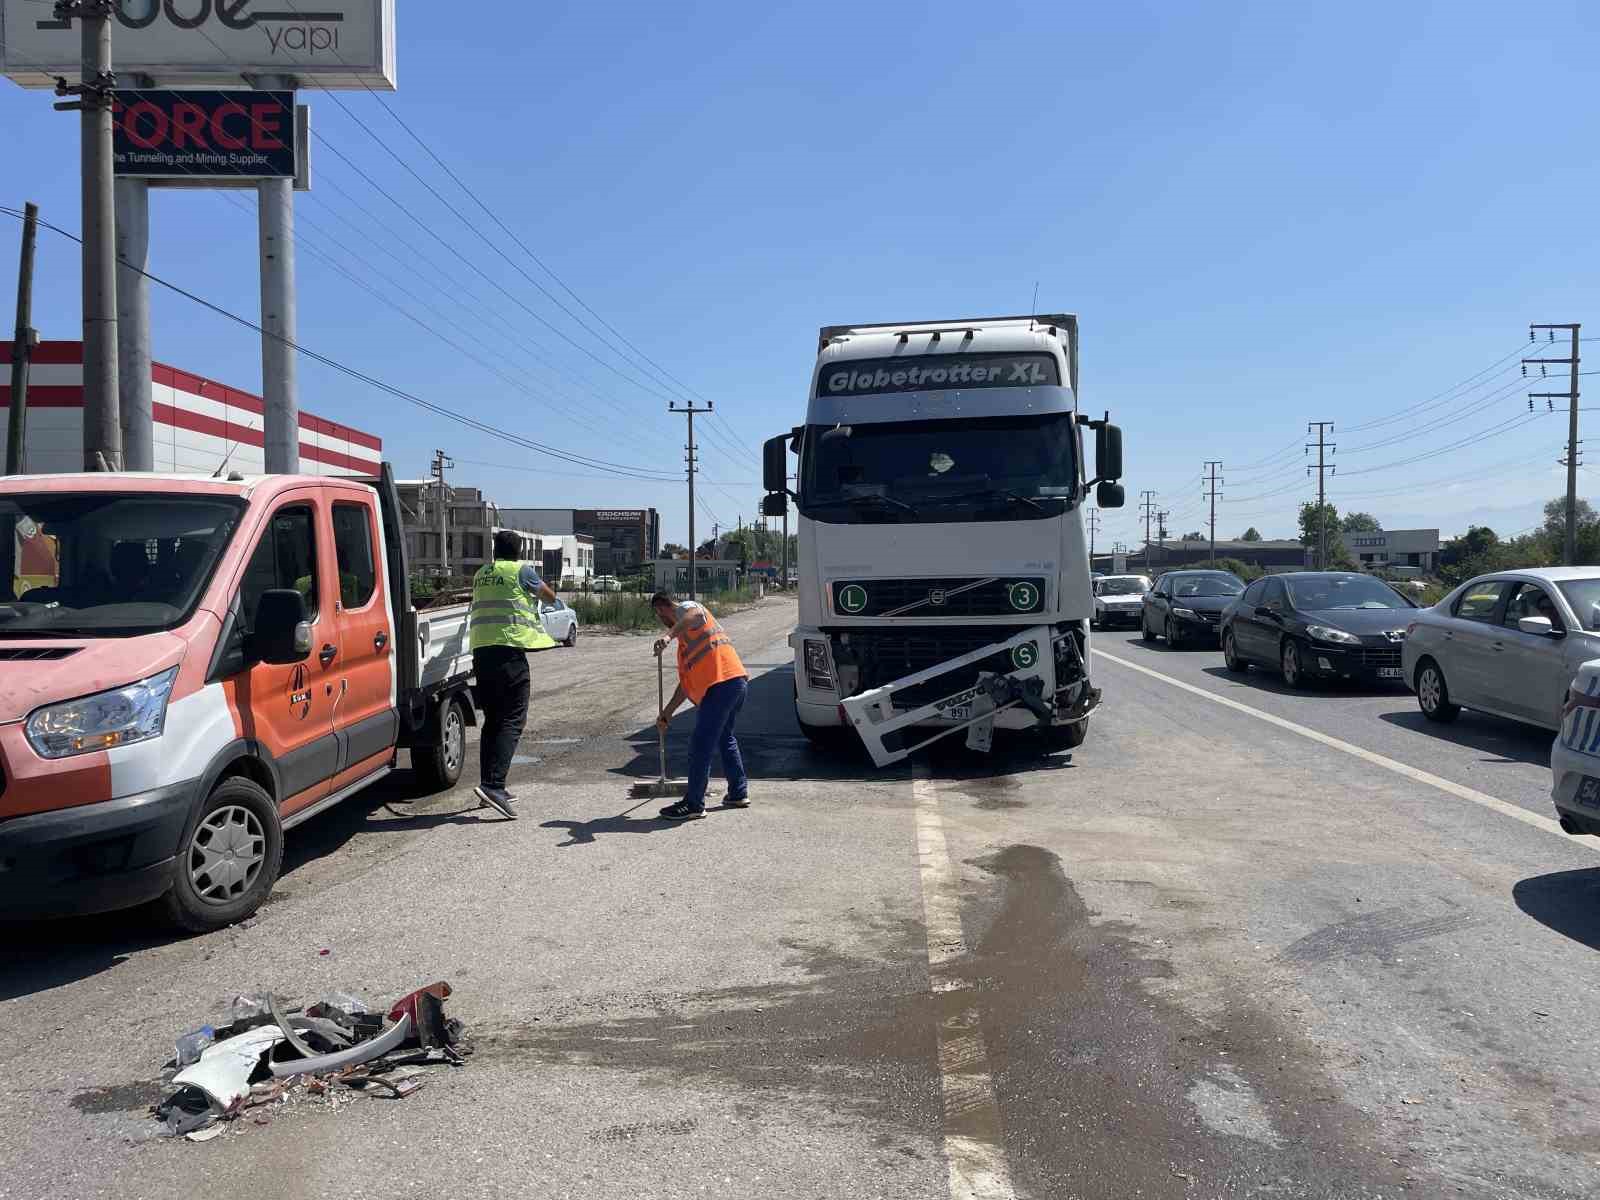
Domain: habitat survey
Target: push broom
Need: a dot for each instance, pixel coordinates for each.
(661, 788)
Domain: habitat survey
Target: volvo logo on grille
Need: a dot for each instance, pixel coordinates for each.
(936, 597)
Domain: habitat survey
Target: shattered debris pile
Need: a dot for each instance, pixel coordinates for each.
(270, 1053)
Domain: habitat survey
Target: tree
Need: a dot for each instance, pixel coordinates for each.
(1474, 543)
(1251, 535)
(673, 550)
(1555, 516)
(1317, 522)
(1360, 522)
(1196, 536)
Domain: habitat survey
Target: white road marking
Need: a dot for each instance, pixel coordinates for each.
(972, 1143)
(1493, 803)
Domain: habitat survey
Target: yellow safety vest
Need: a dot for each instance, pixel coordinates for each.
(502, 613)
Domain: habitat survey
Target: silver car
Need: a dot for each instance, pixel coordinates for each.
(1508, 643)
(1118, 599)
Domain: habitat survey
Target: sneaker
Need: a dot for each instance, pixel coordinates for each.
(498, 799)
(736, 801)
(682, 812)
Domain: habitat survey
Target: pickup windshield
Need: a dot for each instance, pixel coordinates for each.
(100, 565)
(1015, 468)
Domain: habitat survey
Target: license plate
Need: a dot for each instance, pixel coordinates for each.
(958, 712)
(1588, 792)
(1389, 673)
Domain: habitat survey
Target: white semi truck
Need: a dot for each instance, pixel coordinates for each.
(942, 557)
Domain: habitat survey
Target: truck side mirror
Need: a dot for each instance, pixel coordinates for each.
(1108, 454)
(775, 464)
(1109, 495)
(281, 635)
(774, 504)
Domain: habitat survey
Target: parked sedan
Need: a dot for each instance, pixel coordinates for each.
(1318, 625)
(1119, 599)
(1508, 644)
(1186, 605)
(559, 621)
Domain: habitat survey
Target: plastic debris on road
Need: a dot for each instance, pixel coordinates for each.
(271, 1053)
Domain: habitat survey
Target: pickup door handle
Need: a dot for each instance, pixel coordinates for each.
(380, 640)
(327, 654)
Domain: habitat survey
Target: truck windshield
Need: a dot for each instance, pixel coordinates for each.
(99, 565)
(1014, 468)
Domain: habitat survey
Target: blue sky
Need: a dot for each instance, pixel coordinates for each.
(1263, 214)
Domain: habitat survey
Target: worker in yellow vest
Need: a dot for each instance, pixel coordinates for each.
(711, 675)
(505, 625)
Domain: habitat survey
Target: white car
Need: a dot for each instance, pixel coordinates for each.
(1119, 599)
(559, 621)
(1510, 643)
(1575, 757)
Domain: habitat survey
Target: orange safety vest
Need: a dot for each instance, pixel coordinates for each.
(706, 656)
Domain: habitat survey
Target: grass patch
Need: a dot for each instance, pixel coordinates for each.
(626, 611)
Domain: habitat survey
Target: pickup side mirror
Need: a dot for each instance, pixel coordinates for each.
(1109, 495)
(1108, 454)
(1542, 626)
(775, 463)
(281, 634)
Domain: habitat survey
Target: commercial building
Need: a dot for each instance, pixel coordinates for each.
(626, 540)
(711, 575)
(1395, 549)
(471, 523)
(199, 423)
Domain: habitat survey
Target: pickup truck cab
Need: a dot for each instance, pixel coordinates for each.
(191, 666)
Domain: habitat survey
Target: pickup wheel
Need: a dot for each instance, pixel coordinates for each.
(228, 859)
(439, 766)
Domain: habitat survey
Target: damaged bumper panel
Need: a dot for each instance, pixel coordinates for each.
(1039, 656)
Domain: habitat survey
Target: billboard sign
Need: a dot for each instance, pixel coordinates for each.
(332, 43)
(204, 135)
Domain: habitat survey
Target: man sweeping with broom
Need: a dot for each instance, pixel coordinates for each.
(711, 675)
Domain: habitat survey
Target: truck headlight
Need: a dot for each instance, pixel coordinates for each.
(1327, 633)
(120, 717)
(819, 674)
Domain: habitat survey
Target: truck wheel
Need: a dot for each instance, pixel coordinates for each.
(228, 860)
(1065, 737)
(439, 766)
(825, 739)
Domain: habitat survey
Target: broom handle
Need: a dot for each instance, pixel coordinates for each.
(661, 703)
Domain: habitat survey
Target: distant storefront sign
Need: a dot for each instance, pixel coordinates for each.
(204, 135)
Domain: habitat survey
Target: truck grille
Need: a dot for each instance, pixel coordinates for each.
(886, 655)
(969, 596)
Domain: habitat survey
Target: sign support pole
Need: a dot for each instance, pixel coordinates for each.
(279, 384)
(133, 324)
(22, 346)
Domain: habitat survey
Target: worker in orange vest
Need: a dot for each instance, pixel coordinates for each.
(711, 675)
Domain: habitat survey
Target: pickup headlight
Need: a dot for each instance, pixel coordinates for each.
(1326, 633)
(1187, 613)
(120, 717)
(819, 674)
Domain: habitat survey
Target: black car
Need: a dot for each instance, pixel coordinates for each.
(1318, 625)
(1186, 605)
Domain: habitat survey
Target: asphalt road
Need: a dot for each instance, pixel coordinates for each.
(1208, 955)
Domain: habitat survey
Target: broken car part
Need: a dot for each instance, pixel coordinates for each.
(363, 1052)
(224, 1070)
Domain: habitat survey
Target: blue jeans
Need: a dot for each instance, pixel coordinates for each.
(713, 732)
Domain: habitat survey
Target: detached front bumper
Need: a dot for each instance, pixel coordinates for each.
(92, 858)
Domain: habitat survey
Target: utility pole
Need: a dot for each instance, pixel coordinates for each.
(134, 382)
(22, 345)
(440, 462)
(1211, 493)
(102, 429)
(1323, 446)
(1571, 461)
(279, 320)
(1094, 528)
(1148, 504)
(692, 462)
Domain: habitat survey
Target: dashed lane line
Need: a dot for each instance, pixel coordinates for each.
(973, 1146)
(1460, 791)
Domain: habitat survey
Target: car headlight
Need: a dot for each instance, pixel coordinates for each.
(1326, 633)
(1186, 612)
(818, 673)
(120, 717)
